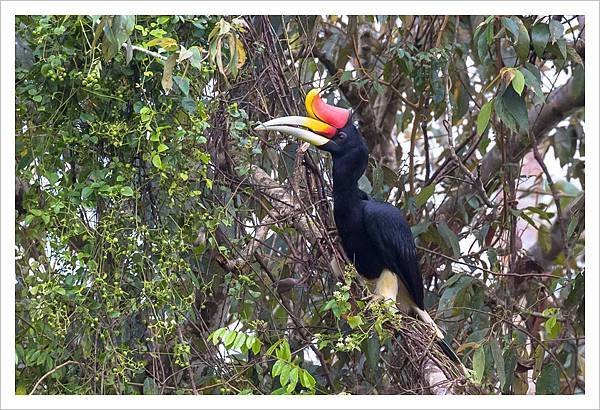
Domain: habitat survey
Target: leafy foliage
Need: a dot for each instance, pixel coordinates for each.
(165, 248)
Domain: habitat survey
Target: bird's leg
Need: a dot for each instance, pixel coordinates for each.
(372, 299)
(386, 289)
(378, 301)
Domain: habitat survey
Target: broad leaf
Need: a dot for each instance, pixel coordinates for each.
(424, 194)
(515, 104)
(479, 364)
(540, 33)
(483, 118)
(556, 30)
(449, 237)
(167, 79)
(549, 380)
(518, 82)
(522, 46)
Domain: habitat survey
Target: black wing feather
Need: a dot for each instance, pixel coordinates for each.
(390, 234)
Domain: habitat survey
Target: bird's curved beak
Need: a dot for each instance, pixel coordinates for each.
(319, 129)
(307, 129)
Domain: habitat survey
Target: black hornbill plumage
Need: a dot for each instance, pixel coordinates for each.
(375, 235)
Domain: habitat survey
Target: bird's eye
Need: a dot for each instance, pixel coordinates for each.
(342, 135)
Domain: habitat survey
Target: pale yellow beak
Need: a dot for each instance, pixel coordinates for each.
(307, 129)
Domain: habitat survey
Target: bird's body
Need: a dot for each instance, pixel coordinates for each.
(375, 235)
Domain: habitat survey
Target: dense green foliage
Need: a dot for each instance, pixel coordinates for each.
(163, 247)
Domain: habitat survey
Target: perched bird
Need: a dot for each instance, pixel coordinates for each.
(374, 234)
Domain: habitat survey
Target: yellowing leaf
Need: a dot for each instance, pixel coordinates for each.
(167, 79)
(518, 82)
(241, 53)
(169, 44)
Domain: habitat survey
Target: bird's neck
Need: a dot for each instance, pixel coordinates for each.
(346, 173)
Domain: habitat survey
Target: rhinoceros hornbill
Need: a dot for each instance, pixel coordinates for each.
(375, 235)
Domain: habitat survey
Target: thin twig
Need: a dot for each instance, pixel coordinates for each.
(68, 362)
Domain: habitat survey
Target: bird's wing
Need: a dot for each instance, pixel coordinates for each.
(389, 232)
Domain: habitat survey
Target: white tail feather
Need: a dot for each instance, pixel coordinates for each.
(427, 319)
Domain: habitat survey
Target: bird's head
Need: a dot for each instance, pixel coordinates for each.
(327, 127)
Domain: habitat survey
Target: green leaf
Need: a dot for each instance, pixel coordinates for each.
(540, 33)
(512, 28)
(196, 57)
(479, 364)
(450, 294)
(150, 386)
(482, 47)
(355, 321)
(115, 34)
(286, 353)
(572, 226)
(522, 46)
(549, 380)
(437, 86)
(183, 84)
(239, 341)
(499, 361)
(162, 148)
(544, 238)
(156, 161)
(510, 364)
(533, 83)
(552, 327)
(518, 82)
(188, 104)
(562, 47)
(85, 193)
(424, 194)
(449, 237)
(556, 30)
(515, 105)
(307, 380)
(418, 229)
(293, 380)
(539, 360)
(370, 347)
(163, 20)
(483, 118)
(249, 341)
(216, 335)
(256, 346)
(285, 374)
(506, 118)
(346, 76)
(127, 191)
(229, 338)
(277, 368)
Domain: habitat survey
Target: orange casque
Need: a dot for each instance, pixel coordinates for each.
(320, 110)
